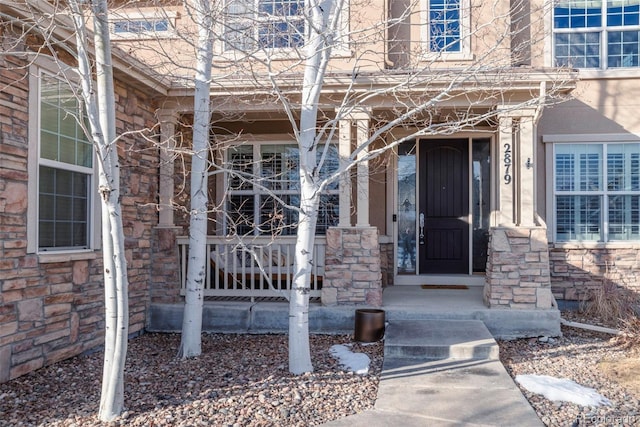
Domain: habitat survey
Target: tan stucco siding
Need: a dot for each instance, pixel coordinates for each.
(600, 106)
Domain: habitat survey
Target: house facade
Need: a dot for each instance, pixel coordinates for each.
(507, 156)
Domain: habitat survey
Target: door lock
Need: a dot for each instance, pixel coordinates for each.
(421, 228)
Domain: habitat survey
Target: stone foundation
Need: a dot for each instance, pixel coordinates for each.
(576, 271)
(518, 269)
(352, 267)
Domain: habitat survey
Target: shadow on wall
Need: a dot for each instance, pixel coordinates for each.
(608, 280)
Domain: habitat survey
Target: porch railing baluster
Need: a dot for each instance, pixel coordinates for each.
(233, 272)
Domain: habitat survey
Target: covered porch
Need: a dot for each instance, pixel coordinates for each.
(361, 250)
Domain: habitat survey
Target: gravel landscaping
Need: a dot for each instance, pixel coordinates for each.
(595, 360)
(242, 380)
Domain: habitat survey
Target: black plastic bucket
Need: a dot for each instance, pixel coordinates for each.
(369, 325)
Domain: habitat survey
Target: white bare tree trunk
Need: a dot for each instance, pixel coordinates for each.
(190, 345)
(317, 53)
(100, 104)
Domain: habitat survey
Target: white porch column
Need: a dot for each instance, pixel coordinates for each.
(168, 121)
(362, 137)
(344, 151)
(506, 180)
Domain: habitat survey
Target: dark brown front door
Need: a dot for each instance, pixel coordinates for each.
(444, 207)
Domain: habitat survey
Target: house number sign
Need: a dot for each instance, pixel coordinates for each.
(507, 163)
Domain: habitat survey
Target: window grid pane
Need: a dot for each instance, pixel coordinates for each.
(619, 29)
(328, 213)
(623, 167)
(62, 138)
(580, 50)
(63, 208)
(278, 187)
(615, 171)
(590, 172)
(240, 219)
(444, 25)
(577, 14)
(241, 164)
(279, 167)
(273, 24)
(565, 172)
(624, 217)
(623, 48)
(635, 172)
(622, 12)
(579, 216)
(275, 218)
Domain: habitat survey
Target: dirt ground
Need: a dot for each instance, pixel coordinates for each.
(624, 371)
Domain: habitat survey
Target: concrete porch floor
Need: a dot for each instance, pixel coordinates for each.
(398, 302)
(416, 303)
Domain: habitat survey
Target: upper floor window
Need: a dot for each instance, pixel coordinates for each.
(597, 34)
(140, 26)
(264, 24)
(143, 24)
(263, 190)
(445, 23)
(65, 169)
(597, 192)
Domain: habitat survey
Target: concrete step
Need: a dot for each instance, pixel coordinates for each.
(439, 339)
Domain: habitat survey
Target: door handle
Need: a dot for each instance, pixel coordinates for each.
(421, 228)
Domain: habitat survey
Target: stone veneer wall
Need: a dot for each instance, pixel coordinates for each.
(165, 275)
(518, 269)
(52, 306)
(352, 267)
(576, 271)
(386, 263)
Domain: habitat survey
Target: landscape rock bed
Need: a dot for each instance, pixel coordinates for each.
(243, 380)
(578, 356)
(239, 380)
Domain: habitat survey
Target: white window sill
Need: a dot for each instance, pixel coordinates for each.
(278, 54)
(447, 56)
(117, 37)
(66, 256)
(614, 73)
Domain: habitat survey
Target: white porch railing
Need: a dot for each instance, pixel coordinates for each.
(257, 267)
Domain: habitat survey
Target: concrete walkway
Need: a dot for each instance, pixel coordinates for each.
(443, 373)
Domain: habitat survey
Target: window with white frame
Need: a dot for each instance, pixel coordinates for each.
(136, 25)
(597, 192)
(445, 25)
(141, 26)
(264, 24)
(263, 189)
(596, 34)
(65, 169)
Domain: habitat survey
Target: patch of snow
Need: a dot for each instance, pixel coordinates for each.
(350, 361)
(562, 389)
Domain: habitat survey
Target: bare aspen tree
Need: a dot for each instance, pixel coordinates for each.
(190, 344)
(317, 52)
(99, 100)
